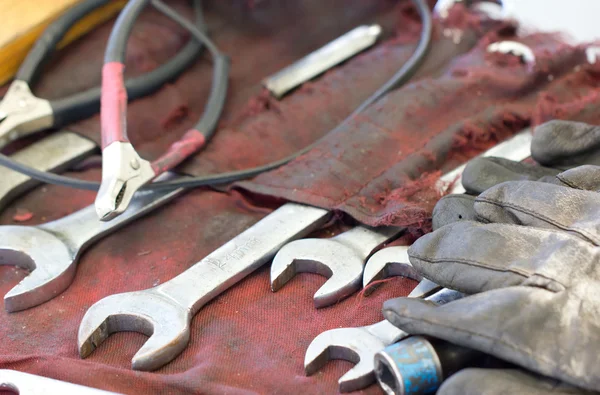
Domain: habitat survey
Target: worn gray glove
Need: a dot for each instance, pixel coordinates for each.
(556, 146)
(504, 382)
(532, 266)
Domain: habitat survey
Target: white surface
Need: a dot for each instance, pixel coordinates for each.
(577, 18)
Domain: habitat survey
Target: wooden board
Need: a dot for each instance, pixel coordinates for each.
(25, 20)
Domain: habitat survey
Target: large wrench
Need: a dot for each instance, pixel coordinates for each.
(164, 312)
(31, 384)
(359, 345)
(342, 258)
(51, 251)
(392, 261)
(54, 153)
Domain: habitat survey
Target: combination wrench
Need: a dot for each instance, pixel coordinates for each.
(164, 312)
(51, 251)
(54, 153)
(342, 258)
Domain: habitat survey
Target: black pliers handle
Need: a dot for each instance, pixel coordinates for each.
(22, 113)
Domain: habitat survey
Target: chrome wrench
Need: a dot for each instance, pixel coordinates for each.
(51, 251)
(54, 153)
(164, 312)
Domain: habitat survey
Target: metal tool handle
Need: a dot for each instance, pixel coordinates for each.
(322, 59)
(516, 148)
(31, 384)
(242, 255)
(83, 227)
(389, 333)
(54, 153)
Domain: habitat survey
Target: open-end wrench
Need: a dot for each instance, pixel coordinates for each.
(392, 261)
(51, 251)
(359, 345)
(53, 153)
(31, 384)
(164, 312)
(342, 258)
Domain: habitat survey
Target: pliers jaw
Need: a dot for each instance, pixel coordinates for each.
(123, 173)
(21, 113)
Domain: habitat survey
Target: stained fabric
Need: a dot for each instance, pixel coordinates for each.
(250, 340)
(376, 167)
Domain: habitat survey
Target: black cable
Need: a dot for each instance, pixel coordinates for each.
(400, 77)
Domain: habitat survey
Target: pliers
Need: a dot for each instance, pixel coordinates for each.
(22, 113)
(124, 172)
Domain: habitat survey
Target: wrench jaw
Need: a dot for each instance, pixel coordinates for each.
(393, 261)
(388, 262)
(328, 258)
(351, 344)
(147, 312)
(52, 268)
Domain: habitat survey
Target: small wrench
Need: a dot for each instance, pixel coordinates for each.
(392, 261)
(54, 153)
(51, 251)
(359, 345)
(342, 258)
(164, 312)
(31, 384)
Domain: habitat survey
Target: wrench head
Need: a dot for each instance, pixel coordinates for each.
(393, 261)
(147, 312)
(326, 257)
(50, 260)
(351, 344)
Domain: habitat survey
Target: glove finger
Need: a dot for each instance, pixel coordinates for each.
(586, 177)
(545, 332)
(475, 381)
(542, 205)
(566, 144)
(483, 173)
(453, 208)
(472, 257)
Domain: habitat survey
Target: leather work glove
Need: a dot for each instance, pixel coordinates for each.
(556, 146)
(531, 265)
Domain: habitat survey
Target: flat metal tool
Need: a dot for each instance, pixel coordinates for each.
(342, 258)
(31, 384)
(51, 251)
(359, 345)
(321, 60)
(164, 312)
(54, 153)
(392, 261)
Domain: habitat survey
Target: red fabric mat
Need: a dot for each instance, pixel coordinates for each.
(248, 340)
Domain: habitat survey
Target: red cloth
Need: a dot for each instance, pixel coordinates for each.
(376, 167)
(248, 340)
